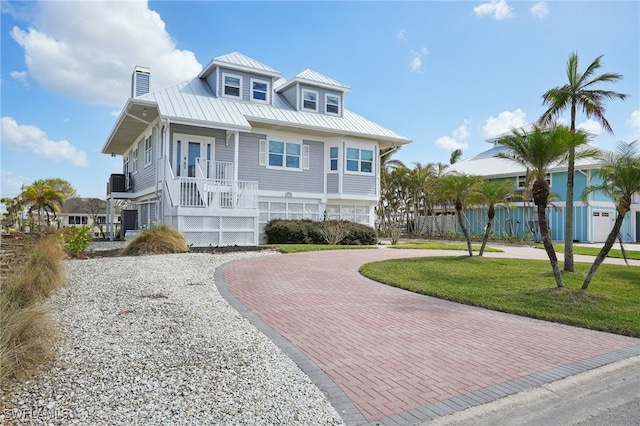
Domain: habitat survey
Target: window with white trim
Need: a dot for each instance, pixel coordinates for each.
(309, 100)
(333, 158)
(259, 91)
(78, 220)
(332, 104)
(232, 86)
(148, 151)
(134, 161)
(284, 154)
(523, 179)
(359, 160)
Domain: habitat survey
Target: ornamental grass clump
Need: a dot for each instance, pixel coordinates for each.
(26, 330)
(160, 240)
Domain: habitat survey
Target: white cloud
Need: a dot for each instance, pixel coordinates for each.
(590, 126)
(634, 119)
(401, 34)
(33, 139)
(459, 134)
(21, 77)
(496, 9)
(87, 50)
(540, 10)
(504, 122)
(448, 143)
(11, 183)
(416, 62)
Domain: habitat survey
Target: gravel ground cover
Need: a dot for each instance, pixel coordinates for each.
(148, 340)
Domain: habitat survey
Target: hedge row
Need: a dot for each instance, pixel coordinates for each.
(280, 231)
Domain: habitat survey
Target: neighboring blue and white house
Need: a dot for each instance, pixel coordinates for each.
(218, 156)
(592, 221)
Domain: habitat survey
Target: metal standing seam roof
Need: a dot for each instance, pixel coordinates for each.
(193, 101)
(487, 165)
(240, 62)
(312, 77)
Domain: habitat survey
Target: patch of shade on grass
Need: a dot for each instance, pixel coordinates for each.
(523, 287)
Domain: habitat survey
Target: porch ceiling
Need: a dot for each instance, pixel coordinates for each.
(136, 116)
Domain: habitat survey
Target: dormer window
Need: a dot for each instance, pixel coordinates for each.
(309, 100)
(332, 104)
(259, 90)
(232, 86)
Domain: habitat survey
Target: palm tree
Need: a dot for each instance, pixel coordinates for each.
(43, 198)
(456, 154)
(492, 193)
(459, 188)
(578, 93)
(539, 151)
(620, 180)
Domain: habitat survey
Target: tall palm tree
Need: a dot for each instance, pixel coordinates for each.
(459, 188)
(578, 93)
(43, 198)
(492, 193)
(620, 180)
(456, 154)
(539, 150)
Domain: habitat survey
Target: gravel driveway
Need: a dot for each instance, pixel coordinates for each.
(149, 340)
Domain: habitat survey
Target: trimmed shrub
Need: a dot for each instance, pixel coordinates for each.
(160, 240)
(75, 240)
(281, 231)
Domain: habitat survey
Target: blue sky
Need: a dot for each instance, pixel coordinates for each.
(444, 74)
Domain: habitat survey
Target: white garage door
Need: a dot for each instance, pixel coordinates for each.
(602, 225)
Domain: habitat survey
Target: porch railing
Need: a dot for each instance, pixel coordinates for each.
(214, 193)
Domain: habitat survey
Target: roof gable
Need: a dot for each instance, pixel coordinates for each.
(239, 62)
(314, 78)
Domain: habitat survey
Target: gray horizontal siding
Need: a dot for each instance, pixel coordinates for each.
(290, 96)
(145, 177)
(280, 180)
(356, 184)
(332, 183)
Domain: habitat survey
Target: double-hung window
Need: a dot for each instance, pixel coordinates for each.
(359, 160)
(134, 161)
(284, 154)
(333, 158)
(259, 90)
(309, 100)
(232, 86)
(332, 104)
(148, 151)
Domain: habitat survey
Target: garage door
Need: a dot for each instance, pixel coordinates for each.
(602, 225)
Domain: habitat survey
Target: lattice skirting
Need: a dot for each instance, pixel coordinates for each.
(205, 231)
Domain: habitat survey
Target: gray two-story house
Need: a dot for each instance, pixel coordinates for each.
(218, 156)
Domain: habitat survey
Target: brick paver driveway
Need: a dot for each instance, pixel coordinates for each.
(387, 356)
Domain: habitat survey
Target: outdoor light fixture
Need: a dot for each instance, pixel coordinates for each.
(144, 112)
(113, 154)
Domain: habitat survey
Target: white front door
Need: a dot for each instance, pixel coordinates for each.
(191, 155)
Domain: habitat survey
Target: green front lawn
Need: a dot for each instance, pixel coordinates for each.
(299, 248)
(593, 251)
(436, 245)
(523, 287)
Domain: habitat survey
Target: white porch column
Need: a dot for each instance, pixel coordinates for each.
(236, 151)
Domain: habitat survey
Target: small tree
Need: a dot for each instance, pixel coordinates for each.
(459, 188)
(492, 193)
(620, 180)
